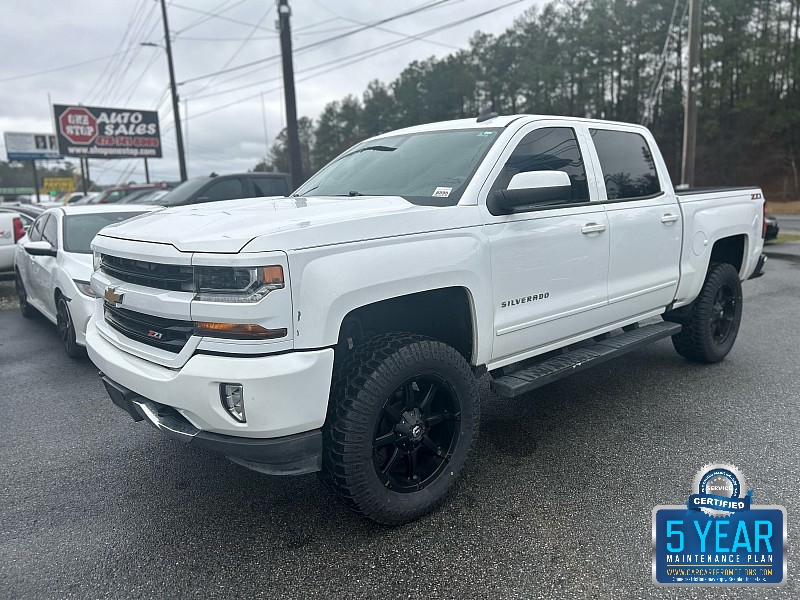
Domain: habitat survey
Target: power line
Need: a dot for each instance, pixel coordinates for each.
(353, 58)
(361, 55)
(217, 10)
(322, 42)
(216, 15)
(62, 68)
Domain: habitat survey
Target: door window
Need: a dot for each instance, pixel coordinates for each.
(227, 189)
(50, 232)
(548, 149)
(35, 232)
(629, 170)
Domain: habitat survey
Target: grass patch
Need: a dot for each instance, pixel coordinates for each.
(8, 296)
(783, 208)
(784, 237)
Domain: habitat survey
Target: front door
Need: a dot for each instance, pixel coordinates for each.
(549, 264)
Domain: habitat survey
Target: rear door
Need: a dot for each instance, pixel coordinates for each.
(549, 264)
(29, 265)
(644, 220)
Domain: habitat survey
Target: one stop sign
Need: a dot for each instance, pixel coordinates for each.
(78, 125)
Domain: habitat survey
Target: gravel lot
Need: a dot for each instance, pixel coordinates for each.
(557, 503)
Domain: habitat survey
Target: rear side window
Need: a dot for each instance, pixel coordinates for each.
(629, 170)
(228, 189)
(548, 149)
(268, 186)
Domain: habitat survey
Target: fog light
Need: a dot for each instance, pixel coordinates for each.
(232, 396)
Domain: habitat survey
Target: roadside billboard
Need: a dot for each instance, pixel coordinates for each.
(31, 146)
(59, 184)
(99, 132)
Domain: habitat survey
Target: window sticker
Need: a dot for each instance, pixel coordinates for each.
(442, 192)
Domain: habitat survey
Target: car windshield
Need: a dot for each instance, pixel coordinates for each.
(430, 168)
(79, 230)
(182, 193)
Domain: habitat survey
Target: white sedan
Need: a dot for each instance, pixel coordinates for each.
(53, 265)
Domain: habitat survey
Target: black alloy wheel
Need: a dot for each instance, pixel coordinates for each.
(418, 430)
(24, 307)
(66, 329)
(723, 314)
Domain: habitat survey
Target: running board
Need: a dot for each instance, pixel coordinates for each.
(580, 359)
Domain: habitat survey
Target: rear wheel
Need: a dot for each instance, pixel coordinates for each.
(26, 309)
(66, 329)
(711, 322)
(403, 418)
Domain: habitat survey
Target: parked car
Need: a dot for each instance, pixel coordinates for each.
(227, 187)
(12, 229)
(342, 329)
(53, 264)
(28, 210)
(113, 195)
(143, 197)
(772, 227)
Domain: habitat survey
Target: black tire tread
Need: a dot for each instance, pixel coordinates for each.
(693, 341)
(362, 371)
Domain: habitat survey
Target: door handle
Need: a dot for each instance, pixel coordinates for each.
(669, 218)
(592, 228)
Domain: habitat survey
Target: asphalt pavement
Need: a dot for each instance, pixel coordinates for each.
(557, 503)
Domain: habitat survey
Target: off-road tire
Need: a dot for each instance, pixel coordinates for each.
(711, 322)
(386, 371)
(22, 294)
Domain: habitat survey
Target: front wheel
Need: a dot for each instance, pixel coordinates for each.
(404, 416)
(711, 322)
(22, 294)
(66, 329)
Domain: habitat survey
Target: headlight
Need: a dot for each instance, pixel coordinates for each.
(96, 256)
(237, 284)
(84, 287)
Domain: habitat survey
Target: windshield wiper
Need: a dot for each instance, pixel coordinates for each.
(378, 148)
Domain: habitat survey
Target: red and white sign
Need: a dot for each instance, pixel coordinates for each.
(78, 125)
(104, 132)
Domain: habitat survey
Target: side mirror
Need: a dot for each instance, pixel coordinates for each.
(41, 248)
(529, 190)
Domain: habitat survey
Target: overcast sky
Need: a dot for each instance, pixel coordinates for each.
(93, 55)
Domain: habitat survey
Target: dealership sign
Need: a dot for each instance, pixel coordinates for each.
(31, 146)
(96, 132)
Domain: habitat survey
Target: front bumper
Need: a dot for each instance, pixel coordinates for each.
(81, 308)
(284, 393)
(287, 455)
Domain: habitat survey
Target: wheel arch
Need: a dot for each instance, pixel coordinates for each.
(446, 314)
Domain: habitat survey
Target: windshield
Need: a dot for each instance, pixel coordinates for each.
(79, 230)
(424, 168)
(182, 193)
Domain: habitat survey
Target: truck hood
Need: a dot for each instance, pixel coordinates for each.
(282, 223)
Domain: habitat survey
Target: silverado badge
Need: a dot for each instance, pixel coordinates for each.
(112, 296)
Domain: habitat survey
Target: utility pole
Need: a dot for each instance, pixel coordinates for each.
(690, 110)
(295, 161)
(175, 112)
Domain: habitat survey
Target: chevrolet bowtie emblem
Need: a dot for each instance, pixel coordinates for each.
(112, 296)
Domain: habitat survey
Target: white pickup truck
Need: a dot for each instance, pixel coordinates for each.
(342, 329)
